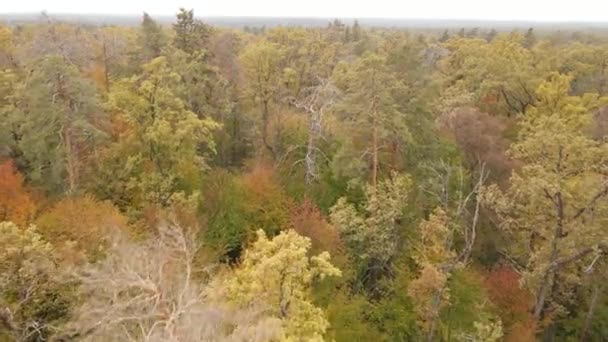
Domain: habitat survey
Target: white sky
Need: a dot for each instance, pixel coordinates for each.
(535, 10)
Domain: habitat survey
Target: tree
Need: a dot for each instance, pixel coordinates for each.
(111, 46)
(166, 142)
(370, 108)
(148, 291)
(372, 234)
(190, 34)
(501, 75)
(445, 36)
(7, 47)
(57, 124)
(556, 202)
(530, 38)
(512, 303)
(429, 290)
(480, 137)
(32, 298)
(16, 204)
(277, 275)
(202, 89)
(357, 32)
(262, 66)
(317, 100)
(151, 39)
(81, 228)
(491, 35)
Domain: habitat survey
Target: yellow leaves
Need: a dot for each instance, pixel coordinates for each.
(23, 252)
(429, 293)
(261, 64)
(83, 224)
(276, 275)
(434, 247)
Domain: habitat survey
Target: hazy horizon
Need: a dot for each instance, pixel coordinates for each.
(467, 10)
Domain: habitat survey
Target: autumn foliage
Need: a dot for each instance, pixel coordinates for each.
(307, 220)
(16, 204)
(512, 302)
(81, 222)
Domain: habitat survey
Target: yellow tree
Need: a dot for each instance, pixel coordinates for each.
(556, 204)
(262, 66)
(433, 254)
(277, 275)
(165, 148)
(32, 299)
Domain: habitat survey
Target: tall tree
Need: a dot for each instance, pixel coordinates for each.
(190, 34)
(262, 65)
(370, 108)
(151, 39)
(372, 233)
(32, 299)
(166, 143)
(57, 124)
(556, 202)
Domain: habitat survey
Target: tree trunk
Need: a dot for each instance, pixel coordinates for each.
(310, 152)
(106, 70)
(374, 152)
(545, 285)
(265, 119)
(71, 167)
(590, 312)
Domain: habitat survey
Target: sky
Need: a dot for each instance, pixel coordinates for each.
(521, 10)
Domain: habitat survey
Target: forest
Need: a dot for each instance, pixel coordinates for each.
(189, 182)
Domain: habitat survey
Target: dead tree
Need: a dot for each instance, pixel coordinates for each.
(315, 101)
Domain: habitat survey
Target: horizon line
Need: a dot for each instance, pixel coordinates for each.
(319, 17)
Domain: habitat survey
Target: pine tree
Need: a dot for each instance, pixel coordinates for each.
(190, 34)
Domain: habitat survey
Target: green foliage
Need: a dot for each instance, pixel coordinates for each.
(190, 34)
(151, 39)
(373, 234)
(55, 122)
(224, 206)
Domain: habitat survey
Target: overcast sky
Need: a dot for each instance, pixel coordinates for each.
(536, 10)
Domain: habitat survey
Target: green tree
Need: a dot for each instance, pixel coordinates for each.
(56, 118)
(372, 233)
(190, 34)
(151, 39)
(370, 110)
(530, 38)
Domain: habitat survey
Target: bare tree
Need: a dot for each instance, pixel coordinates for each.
(315, 101)
(463, 209)
(149, 292)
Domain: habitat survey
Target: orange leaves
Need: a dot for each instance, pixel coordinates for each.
(16, 204)
(81, 225)
(512, 302)
(307, 220)
(267, 203)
